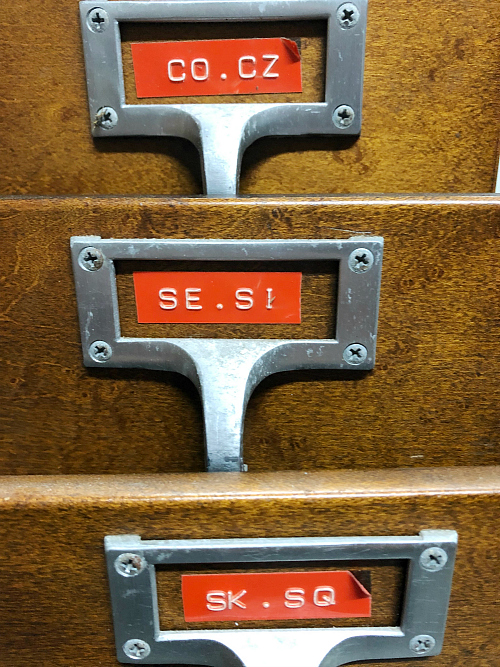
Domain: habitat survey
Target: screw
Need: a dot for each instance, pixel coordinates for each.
(422, 644)
(97, 19)
(136, 648)
(347, 15)
(129, 565)
(360, 260)
(433, 559)
(106, 117)
(100, 351)
(355, 354)
(343, 116)
(90, 259)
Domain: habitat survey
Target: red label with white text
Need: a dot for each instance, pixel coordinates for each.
(217, 67)
(218, 297)
(273, 596)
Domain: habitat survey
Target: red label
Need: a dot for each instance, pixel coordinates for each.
(273, 596)
(225, 297)
(217, 67)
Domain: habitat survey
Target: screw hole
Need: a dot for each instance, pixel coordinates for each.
(90, 257)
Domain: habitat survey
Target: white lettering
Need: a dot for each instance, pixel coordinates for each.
(244, 294)
(294, 598)
(216, 600)
(199, 61)
(246, 59)
(190, 299)
(267, 72)
(324, 597)
(270, 298)
(168, 294)
(235, 599)
(171, 76)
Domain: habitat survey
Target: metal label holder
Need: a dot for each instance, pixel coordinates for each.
(226, 371)
(131, 569)
(222, 132)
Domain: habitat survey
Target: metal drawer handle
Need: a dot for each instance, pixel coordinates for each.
(222, 132)
(226, 371)
(138, 636)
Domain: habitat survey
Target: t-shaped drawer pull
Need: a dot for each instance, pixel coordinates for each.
(220, 131)
(226, 371)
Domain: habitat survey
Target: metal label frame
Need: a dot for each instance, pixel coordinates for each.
(131, 569)
(226, 371)
(222, 132)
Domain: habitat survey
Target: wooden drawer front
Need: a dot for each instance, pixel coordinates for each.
(432, 399)
(55, 595)
(430, 109)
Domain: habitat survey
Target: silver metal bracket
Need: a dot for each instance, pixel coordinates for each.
(226, 371)
(222, 132)
(131, 566)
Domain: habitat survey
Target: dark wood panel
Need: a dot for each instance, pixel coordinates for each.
(431, 400)
(431, 113)
(55, 600)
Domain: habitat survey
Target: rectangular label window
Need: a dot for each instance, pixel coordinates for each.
(305, 595)
(231, 62)
(178, 299)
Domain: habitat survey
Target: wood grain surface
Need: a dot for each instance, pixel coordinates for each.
(430, 112)
(432, 399)
(55, 602)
